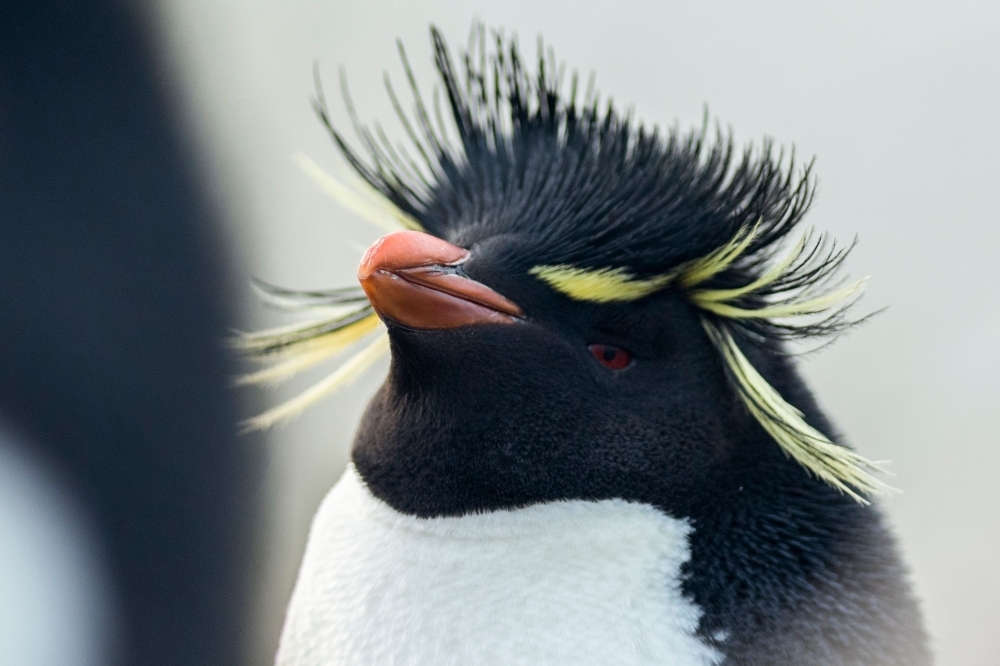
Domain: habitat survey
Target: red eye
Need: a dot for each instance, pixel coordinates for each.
(610, 356)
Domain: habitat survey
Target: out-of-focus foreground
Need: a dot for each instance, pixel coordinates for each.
(126, 497)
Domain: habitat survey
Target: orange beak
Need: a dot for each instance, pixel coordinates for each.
(411, 279)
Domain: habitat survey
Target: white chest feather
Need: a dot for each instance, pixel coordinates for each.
(561, 583)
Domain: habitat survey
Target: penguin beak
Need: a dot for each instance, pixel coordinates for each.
(413, 279)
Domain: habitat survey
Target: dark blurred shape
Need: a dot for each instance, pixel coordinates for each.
(112, 312)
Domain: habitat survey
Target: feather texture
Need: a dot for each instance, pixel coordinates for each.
(603, 285)
(836, 465)
(345, 374)
(615, 213)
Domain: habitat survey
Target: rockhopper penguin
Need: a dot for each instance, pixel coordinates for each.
(592, 446)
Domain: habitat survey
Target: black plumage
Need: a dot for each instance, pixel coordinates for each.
(785, 568)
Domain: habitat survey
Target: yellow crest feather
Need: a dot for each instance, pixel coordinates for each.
(774, 273)
(345, 374)
(302, 354)
(361, 199)
(840, 467)
(695, 272)
(602, 285)
(792, 308)
(292, 349)
(299, 338)
(618, 285)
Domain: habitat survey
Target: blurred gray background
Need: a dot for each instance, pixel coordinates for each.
(900, 103)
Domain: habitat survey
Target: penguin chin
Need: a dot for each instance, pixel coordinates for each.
(487, 417)
(499, 359)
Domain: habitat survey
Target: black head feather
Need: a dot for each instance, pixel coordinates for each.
(590, 186)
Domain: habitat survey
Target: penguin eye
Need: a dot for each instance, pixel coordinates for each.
(610, 356)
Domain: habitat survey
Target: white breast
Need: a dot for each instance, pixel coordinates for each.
(560, 583)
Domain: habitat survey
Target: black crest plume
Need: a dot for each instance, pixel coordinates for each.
(615, 212)
(593, 186)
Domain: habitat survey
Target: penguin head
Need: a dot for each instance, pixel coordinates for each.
(578, 307)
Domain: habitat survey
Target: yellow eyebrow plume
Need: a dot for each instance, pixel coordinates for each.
(353, 368)
(700, 270)
(618, 285)
(838, 466)
(602, 285)
(358, 197)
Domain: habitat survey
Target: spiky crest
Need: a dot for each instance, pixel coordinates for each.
(616, 212)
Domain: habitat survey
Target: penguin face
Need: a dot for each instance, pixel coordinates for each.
(539, 398)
